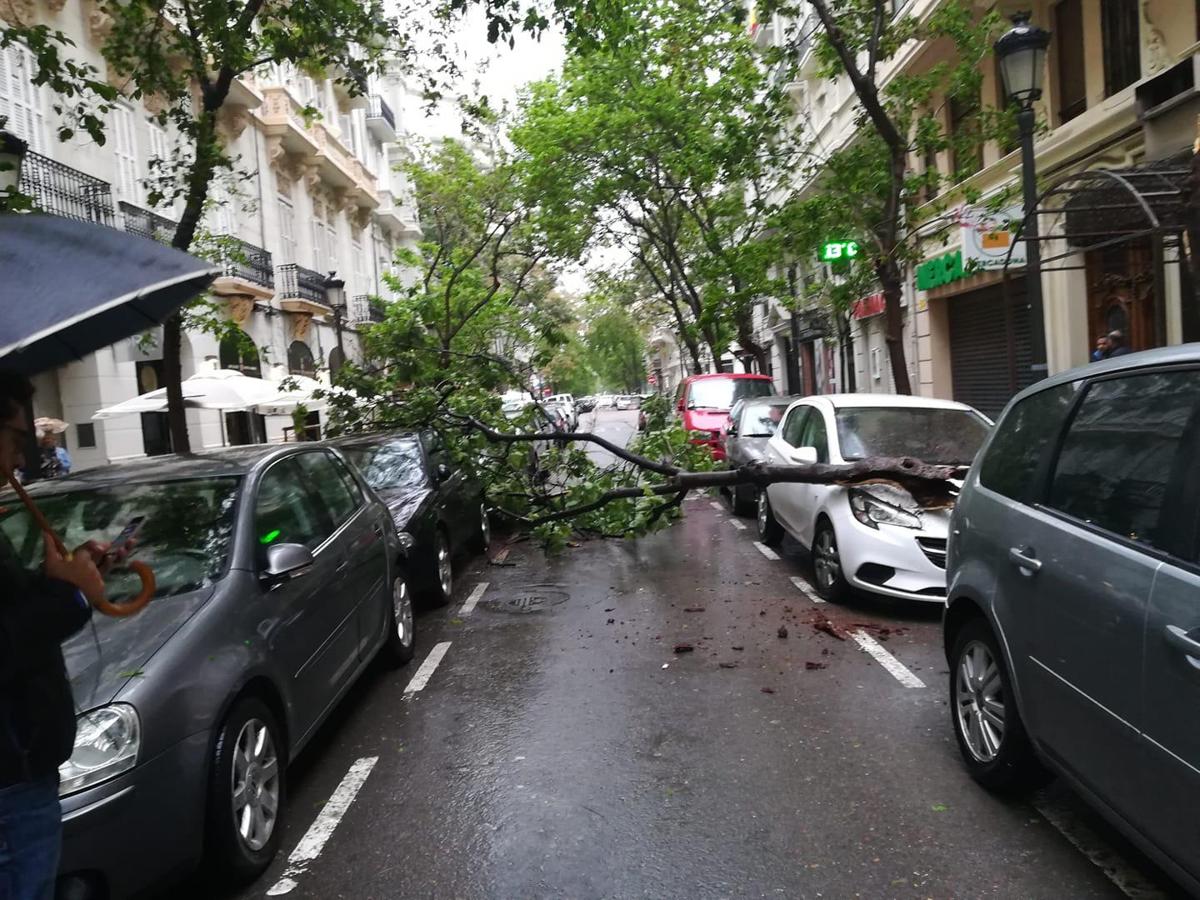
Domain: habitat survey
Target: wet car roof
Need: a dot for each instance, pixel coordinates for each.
(230, 461)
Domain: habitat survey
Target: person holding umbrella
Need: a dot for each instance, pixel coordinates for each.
(37, 713)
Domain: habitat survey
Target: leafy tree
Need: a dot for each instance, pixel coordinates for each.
(618, 349)
(868, 190)
(669, 147)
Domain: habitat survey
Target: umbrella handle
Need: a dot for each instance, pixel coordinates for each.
(117, 610)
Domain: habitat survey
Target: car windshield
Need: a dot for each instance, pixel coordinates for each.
(722, 393)
(390, 465)
(944, 436)
(761, 419)
(185, 536)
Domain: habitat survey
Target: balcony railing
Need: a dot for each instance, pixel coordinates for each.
(379, 109)
(62, 191)
(365, 309)
(298, 283)
(147, 224)
(243, 260)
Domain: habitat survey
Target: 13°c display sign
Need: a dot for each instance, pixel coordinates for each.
(833, 251)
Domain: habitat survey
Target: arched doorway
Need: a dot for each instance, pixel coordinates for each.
(238, 352)
(337, 359)
(300, 360)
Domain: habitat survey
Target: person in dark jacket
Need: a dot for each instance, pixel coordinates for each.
(1117, 345)
(38, 610)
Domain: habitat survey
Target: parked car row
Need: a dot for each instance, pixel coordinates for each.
(1069, 571)
(282, 572)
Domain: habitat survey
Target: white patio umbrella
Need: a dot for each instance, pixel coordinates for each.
(224, 389)
(303, 390)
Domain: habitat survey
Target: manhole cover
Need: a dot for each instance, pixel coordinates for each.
(529, 600)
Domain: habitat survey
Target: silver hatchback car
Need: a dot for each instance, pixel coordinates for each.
(1072, 624)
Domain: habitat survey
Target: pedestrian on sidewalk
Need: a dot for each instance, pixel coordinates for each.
(38, 610)
(1116, 341)
(1103, 347)
(55, 459)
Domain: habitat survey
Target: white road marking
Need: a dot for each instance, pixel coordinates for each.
(765, 550)
(802, 587)
(715, 505)
(1127, 878)
(423, 674)
(322, 828)
(895, 668)
(740, 526)
(476, 596)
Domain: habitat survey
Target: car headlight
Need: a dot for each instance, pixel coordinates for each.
(873, 512)
(106, 744)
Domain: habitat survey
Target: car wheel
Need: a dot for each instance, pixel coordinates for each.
(483, 536)
(990, 733)
(399, 646)
(744, 501)
(443, 570)
(827, 564)
(247, 791)
(769, 530)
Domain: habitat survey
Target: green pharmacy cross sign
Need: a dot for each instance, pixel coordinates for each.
(833, 251)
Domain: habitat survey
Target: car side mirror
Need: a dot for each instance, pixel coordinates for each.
(732, 429)
(286, 561)
(804, 456)
(443, 472)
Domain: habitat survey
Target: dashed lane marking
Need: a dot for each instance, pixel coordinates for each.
(802, 587)
(423, 674)
(740, 526)
(894, 667)
(319, 832)
(475, 597)
(715, 505)
(766, 551)
(1121, 873)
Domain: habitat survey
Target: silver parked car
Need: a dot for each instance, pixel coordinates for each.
(1073, 615)
(279, 578)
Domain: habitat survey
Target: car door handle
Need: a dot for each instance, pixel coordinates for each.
(1182, 640)
(1022, 560)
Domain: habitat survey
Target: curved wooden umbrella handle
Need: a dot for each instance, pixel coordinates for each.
(138, 603)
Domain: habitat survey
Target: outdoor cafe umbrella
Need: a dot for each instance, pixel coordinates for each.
(69, 288)
(223, 389)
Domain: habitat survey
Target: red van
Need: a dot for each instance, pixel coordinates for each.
(704, 401)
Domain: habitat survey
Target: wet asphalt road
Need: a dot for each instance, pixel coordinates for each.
(561, 748)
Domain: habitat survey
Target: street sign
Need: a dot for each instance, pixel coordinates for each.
(834, 251)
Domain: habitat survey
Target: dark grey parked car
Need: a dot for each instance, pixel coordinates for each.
(1073, 619)
(279, 579)
(751, 423)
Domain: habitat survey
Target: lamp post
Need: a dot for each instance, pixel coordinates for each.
(12, 155)
(1022, 54)
(335, 296)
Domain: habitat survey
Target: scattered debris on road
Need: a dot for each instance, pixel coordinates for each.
(693, 609)
(811, 666)
(684, 648)
(728, 665)
(782, 632)
(767, 690)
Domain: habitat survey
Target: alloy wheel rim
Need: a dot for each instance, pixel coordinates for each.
(763, 510)
(445, 575)
(402, 610)
(255, 784)
(826, 561)
(485, 527)
(979, 701)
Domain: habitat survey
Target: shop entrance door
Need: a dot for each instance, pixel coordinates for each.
(1121, 294)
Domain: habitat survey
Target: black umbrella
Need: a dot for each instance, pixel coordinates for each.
(70, 288)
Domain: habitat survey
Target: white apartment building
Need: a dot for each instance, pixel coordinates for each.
(309, 199)
(1119, 108)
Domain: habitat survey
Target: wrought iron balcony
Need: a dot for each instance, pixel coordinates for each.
(245, 262)
(295, 282)
(381, 120)
(62, 191)
(147, 224)
(367, 310)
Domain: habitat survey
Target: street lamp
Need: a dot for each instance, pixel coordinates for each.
(12, 154)
(335, 297)
(1022, 54)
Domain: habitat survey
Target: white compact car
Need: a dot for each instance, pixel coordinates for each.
(873, 537)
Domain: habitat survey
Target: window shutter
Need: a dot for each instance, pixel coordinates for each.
(125, 153)
(20, 98)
